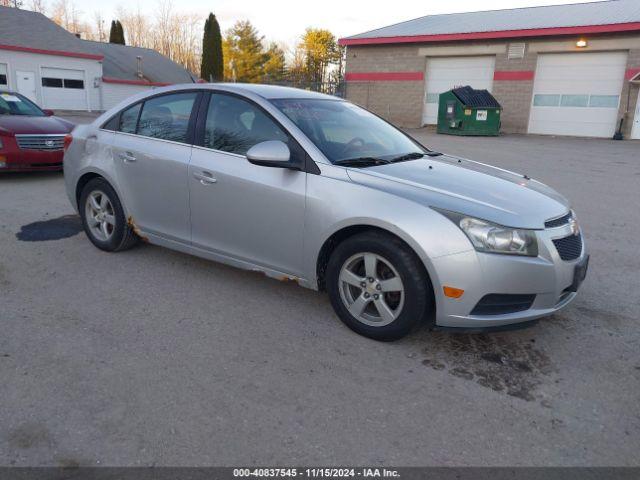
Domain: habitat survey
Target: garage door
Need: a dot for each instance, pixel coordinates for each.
(445, 73)
(577, 94)
(63, 89)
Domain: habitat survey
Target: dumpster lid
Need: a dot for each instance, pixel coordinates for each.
(475, 98)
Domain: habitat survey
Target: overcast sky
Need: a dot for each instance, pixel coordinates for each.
(285, 20)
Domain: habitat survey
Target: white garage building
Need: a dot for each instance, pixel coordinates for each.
(59, 71)
(556, 70)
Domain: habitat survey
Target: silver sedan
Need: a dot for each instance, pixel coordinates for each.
(311, 188)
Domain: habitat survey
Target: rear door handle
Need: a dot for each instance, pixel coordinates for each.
(128, 157)
(206, 178)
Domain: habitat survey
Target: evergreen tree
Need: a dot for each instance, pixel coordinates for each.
(244, 53)
(116, 34)
(212, 58)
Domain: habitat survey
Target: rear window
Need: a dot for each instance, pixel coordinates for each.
(167, 117)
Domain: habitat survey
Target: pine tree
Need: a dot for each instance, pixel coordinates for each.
(116, 34)
(212, 61)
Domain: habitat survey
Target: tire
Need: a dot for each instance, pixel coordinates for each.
(392, 314)
(118, 235)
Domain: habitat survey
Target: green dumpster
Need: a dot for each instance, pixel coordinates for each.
(465, 111)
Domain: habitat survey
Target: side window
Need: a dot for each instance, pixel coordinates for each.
(167, 117)
(112, 123)
(129, 119)
(235, 125)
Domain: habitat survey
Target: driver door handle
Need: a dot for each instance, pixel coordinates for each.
(128, 157)
(206, 178)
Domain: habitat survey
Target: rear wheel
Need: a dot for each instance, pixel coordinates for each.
(378, 286)
(103, 217)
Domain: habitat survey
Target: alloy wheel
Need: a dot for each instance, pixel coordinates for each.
(100, 215)
(371, 289)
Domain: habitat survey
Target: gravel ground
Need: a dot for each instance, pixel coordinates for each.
(152, 357)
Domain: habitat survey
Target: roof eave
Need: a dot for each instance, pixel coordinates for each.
(59, 53)
(537, 32)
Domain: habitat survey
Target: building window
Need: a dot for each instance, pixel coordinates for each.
(3, 75)
(604, 101)
(546, 100)
(433, 97)
(574, 101)
(51, 82)
(77, 84)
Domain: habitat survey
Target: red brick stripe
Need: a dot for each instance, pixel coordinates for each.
(514, 76)
(384, 76)
(58, 53)
(632, 72)
(537, 32)
(134, 82)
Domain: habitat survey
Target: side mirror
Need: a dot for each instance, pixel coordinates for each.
(48, 113)
(272, 153)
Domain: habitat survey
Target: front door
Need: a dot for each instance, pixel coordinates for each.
(151, 152)
(250, 213)
(26, 84)
(635, 131)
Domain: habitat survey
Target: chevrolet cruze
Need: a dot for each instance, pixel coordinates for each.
(315, 189)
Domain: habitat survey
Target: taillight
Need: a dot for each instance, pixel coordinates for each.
(67, 141)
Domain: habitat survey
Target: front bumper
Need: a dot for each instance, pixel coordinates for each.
(547, 276)
(15, 159)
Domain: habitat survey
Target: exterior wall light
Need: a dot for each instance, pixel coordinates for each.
(582, 43)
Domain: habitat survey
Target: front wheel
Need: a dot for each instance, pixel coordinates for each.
(378, 286)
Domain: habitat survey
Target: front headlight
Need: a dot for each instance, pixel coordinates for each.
(490, 237)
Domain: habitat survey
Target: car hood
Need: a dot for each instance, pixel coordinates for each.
(23, 124)
(468, 187)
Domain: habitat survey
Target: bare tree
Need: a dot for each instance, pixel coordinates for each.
(38, 6)
(11, 3)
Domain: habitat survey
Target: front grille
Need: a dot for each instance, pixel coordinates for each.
(47, 143)
(502, 304)
(569, 248)
(558, 222)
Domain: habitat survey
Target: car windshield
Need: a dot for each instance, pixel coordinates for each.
(344, 131)
(16, 104)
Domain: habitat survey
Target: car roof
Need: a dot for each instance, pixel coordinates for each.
(269, 92)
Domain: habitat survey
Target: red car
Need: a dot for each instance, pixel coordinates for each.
(30, 138)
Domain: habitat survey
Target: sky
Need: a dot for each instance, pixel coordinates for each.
(285, 20)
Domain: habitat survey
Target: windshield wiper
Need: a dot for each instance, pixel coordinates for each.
(361, 162)
(408, 156)
(433, 154)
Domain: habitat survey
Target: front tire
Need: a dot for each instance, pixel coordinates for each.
(103, 217)
(378, 286)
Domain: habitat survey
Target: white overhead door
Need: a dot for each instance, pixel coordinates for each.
(445, 73)
(577, 94)
(63, 89)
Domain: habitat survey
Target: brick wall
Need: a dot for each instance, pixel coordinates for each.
(515, 95)
(398, 101)
(402, 102)
(630, 94)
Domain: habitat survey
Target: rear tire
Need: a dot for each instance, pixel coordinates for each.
(378, 286)
(103, 217)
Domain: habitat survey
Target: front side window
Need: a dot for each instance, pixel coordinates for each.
(235, 125)
(344, 131)
(167, 117)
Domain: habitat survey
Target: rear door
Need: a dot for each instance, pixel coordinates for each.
(250, 213)
(152, 148)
